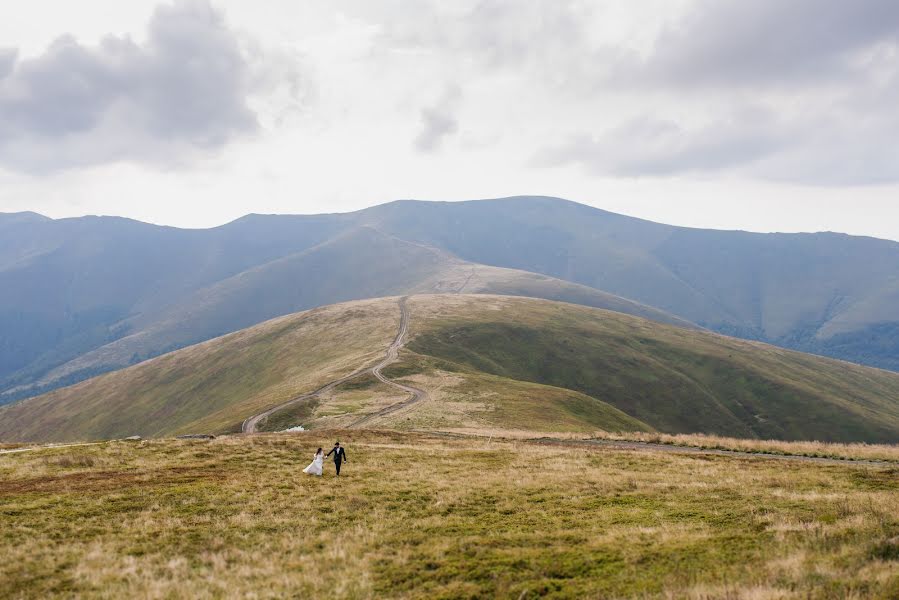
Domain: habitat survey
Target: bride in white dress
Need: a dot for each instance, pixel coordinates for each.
(315, 467)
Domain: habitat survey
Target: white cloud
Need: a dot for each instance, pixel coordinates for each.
(183, 91)
(439, 121)
(679, 110)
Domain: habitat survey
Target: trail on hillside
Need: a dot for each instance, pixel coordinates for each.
(416, 394)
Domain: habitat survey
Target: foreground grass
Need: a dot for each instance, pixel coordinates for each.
(428, 516)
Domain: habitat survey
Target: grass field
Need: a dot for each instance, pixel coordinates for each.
(426, 516)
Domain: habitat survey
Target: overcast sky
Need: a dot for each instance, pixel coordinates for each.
(770, 115)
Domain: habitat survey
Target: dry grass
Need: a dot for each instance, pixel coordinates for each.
(428, 516)
(880, 452)
(862, 452)
(211, 387)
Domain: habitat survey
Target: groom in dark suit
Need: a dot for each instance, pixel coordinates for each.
(339, 456)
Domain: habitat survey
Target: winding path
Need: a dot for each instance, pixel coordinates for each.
(417, 395)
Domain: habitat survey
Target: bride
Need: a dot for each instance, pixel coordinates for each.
(315, 467)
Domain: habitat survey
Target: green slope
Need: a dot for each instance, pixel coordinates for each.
(672, 379)
(215, 385)
(487, 362)
(793, 290)
(86, 295)
(211, 386)
(362, 263)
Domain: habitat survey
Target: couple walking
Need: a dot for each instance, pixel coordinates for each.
(315, 467)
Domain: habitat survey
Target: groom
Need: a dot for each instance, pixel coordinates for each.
(339, 456)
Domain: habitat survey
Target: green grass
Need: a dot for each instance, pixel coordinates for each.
(675, 380)
(420, 516)
(211, 387)
(487, 362)
(469, 399)
(292, 416)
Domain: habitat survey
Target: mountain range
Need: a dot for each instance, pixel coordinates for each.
(83, 296)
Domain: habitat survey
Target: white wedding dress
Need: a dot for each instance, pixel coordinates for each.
(315, 467)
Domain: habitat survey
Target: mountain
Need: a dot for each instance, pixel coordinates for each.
(95, 295)
(484, 361)
(826, 293)
(79, 297)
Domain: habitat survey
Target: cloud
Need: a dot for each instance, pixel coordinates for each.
(438, 121)
(7, 61)
(835, 147)
(481, 37)
(654, 147)
(802, 91)
(184, 91)
(765, 42)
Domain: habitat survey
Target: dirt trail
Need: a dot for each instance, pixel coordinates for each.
(671, 448)
(417, 394)
(249, 425)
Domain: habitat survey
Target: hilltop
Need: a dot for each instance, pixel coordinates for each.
(116, 312)
(88, 295)
(484, 361)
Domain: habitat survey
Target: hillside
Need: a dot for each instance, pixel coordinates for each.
(826, 293)
(361, 263)
(673, 379)
(83, 296)
(211, 386)
(485, 362)
(109, 293)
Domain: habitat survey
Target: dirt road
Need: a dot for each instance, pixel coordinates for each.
(416, 394)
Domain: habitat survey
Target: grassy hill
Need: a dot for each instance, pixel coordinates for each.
(212, 386)
(793, 290)
(83, 296)
(672, 379)
(486, 362)
(362, 263)
(425, 516)
(355, 264)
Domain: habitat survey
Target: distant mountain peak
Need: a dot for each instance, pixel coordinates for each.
(22, 217)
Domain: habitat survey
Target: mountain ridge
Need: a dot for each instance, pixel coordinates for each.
(484, 361)
(69, 287)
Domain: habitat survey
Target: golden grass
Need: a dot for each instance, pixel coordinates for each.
(429, 516)
(850, 452)
(212, 387)
(859, 451)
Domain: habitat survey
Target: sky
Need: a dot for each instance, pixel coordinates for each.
(771, 115)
